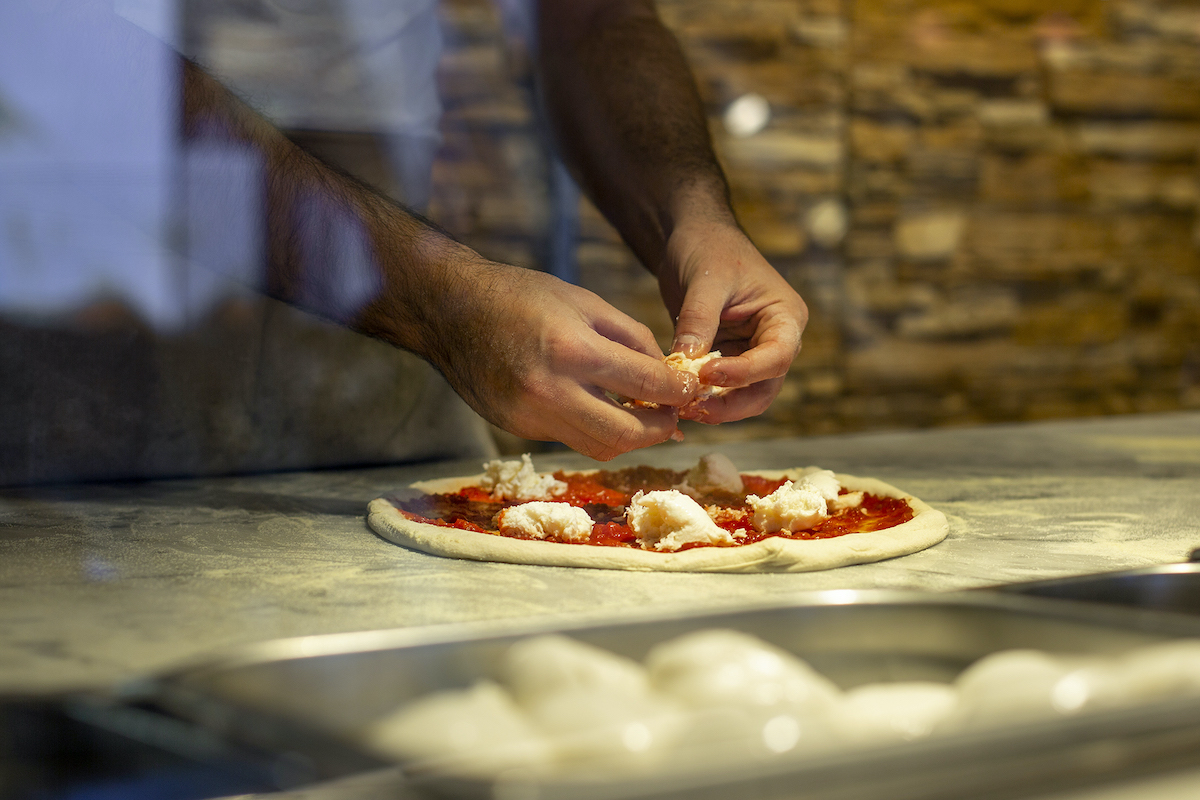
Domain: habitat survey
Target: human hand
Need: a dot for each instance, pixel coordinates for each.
(725, 296)
(536, 356)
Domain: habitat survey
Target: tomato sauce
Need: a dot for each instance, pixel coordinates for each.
(604, 495)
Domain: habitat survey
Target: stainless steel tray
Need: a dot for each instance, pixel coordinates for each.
(1166, 587)
(313, 695)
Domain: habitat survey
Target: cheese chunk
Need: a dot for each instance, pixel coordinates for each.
(541, 520)
(823, 482)
(789, 508)
(517, 480)
(714, 471)
(684, 364)
(669, 519)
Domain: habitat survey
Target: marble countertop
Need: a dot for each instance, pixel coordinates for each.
(102, 583)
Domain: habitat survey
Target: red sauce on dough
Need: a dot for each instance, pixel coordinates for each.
(605, 494)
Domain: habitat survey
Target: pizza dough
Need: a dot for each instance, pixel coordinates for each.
(774, 554)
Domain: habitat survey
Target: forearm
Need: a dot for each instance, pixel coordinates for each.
(532, 354)
(324, 229)
(628, 119)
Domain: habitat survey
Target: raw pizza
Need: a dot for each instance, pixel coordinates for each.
(708, 519)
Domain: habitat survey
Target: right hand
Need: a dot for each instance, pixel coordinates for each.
(536, 355)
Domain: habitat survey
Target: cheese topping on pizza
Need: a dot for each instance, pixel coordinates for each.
(823, 482)
(788, 508)
(539, 520)
(714, 472)
(657, 510)
(668, 520)
(518, 480)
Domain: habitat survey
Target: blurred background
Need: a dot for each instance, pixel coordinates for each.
(989, 206)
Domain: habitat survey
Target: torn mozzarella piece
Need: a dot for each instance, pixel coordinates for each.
(826, 484)
(541, 520)
(667, 520)
(684, 364)
(844, 501)
(821, 481)
(518, 480)
(714, 472)
(478, 731)
(789, 508)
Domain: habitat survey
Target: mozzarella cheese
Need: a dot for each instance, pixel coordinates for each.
(541, 519)
(821, 481)
(684, 364)
(789, 508)
(518, 480)
(667, 520)
(714, 471)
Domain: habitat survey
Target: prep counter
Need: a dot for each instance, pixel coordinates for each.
(101, 583)
(106, 583)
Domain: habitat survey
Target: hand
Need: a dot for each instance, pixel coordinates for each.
(725, 296)
(536, 356)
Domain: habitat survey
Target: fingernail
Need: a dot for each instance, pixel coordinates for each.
(687, 344)
(717, 378)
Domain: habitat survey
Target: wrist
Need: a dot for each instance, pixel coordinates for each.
(698, 206)
(426, 281)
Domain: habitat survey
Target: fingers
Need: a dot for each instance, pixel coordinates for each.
(770, 357)
(616, 326)
(699, 318)
(731, 406)
(591, 424)
(632, 374)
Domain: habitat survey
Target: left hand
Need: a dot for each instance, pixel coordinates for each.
(725, 296)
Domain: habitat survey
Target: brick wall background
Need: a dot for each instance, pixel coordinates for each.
(989, 205)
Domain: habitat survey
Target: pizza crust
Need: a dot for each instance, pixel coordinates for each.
(774, 554)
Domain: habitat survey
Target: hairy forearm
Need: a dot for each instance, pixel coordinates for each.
(325, 229)
(628, 119)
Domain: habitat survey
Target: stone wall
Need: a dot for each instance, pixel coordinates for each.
(990, 206)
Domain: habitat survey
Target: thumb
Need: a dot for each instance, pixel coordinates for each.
(697, 323)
